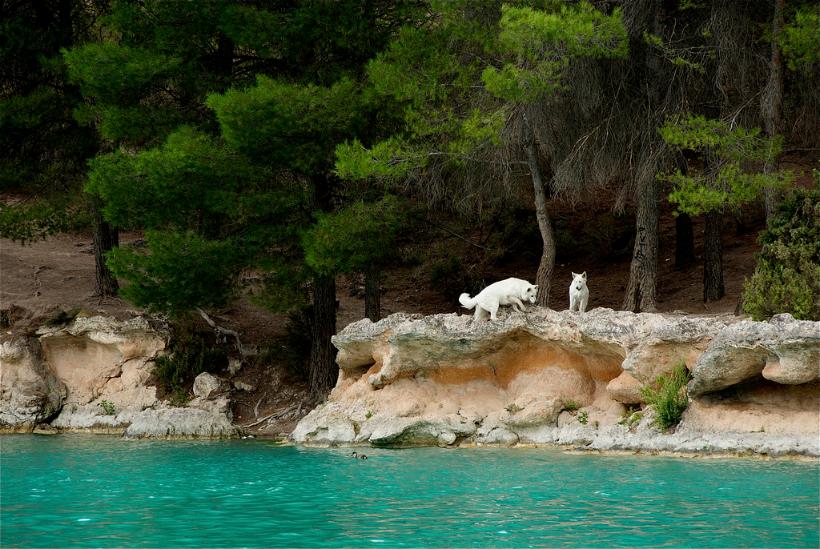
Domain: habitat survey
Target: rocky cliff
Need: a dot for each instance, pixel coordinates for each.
(575, 379)
(94, 375)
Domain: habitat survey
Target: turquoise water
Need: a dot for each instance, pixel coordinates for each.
(84, 491)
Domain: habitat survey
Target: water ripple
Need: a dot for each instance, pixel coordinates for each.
(253, 494)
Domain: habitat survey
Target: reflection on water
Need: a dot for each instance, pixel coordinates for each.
(71, 491)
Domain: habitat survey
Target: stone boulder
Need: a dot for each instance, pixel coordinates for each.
(30, 392)
(783, 350)
(208, 386)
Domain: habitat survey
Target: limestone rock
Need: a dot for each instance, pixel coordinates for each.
(209, 386)
(790, 348)
(625, 388)
(242, 386)
(29, 390)
(443, 379)
(102, 356)
(189, 422)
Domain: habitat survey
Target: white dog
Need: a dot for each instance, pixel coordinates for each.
(578, 292)
(512, 291)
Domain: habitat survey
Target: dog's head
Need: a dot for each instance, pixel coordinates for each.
(530, 293)
(579, 281)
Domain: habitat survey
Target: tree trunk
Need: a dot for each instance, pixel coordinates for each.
(547, 263)
(684, 241)
(771, 103)
(643, 271)
(323, 370)
(372, 293)
(713, 288)
(104, 239)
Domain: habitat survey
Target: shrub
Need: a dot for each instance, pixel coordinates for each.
(191, 355)
(787, 275)
(108, 407)
(570, 405)
(668, 397)
(583, 417)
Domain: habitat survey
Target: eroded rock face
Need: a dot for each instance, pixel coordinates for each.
(559, 377)
(96, 373)
(29, 391)
(783, 350)
(101, 357)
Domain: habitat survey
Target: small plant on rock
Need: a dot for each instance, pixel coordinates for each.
(570, 405)
(668, 396)
(513, 408)
(108, 407)
(583, 417)
(631, 418)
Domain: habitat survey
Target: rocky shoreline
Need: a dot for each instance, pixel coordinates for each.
(93, 375)
(548, 377)
(530, 379)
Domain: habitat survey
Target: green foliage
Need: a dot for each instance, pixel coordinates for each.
(787, 275)
(543, 43)
(44, 149)
(288, 125)
(191, 355)
(37, 219)
(108, 407)
(354, 237)
(144, 190)
(630, 418)
(113, 73)
(668, 396)
(801, 40)
(459, 77)
(570, 405)
(386, 160)
(583, 417)
(731, 180)
(178, 271)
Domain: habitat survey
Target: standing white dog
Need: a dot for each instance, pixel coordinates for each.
(578, 292)
(512, 291)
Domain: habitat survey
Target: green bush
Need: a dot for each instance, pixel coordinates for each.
(108, 407)
(787, 276)
(192, 354)
(570, 405)
(668, 397)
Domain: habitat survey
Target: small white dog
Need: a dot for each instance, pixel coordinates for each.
(578, 292)
(512, 291)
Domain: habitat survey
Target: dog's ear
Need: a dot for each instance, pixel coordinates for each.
(584, 275)
(574, 275)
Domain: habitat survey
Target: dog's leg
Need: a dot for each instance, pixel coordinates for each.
(478, 314)
(492, 307)
(583, 306)
(517, 304)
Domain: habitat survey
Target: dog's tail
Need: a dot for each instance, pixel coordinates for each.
(466, 301)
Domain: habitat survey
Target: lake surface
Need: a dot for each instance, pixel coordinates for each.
(84, 491)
